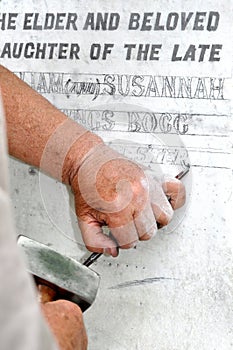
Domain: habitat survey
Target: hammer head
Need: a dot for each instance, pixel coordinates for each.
(67, 277)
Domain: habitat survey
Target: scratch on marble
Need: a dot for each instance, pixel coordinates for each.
(144, 281)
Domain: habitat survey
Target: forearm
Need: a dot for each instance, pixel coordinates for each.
(109, 189)
(36, 127)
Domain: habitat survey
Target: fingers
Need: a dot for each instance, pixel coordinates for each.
(175, 190)
(125, 235)
(66, 323)
(95, 240)
(145, 223)
(142, 226)
(135, 222)
(161, 207)
(45, 293)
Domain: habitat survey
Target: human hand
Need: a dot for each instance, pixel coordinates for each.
(111, 190)
(66, 323)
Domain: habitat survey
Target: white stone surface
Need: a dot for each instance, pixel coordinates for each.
(174, 292)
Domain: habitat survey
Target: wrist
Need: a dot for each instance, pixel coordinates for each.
(82, 146)
(66, 148)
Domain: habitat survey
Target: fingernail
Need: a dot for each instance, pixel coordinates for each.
(107, 251)
(114, 252)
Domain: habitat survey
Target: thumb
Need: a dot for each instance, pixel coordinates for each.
(95, 240)
(175, 190)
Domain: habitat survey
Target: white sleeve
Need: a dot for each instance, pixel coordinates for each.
(22, 326)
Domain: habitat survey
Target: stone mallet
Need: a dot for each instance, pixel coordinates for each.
(59, 276)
